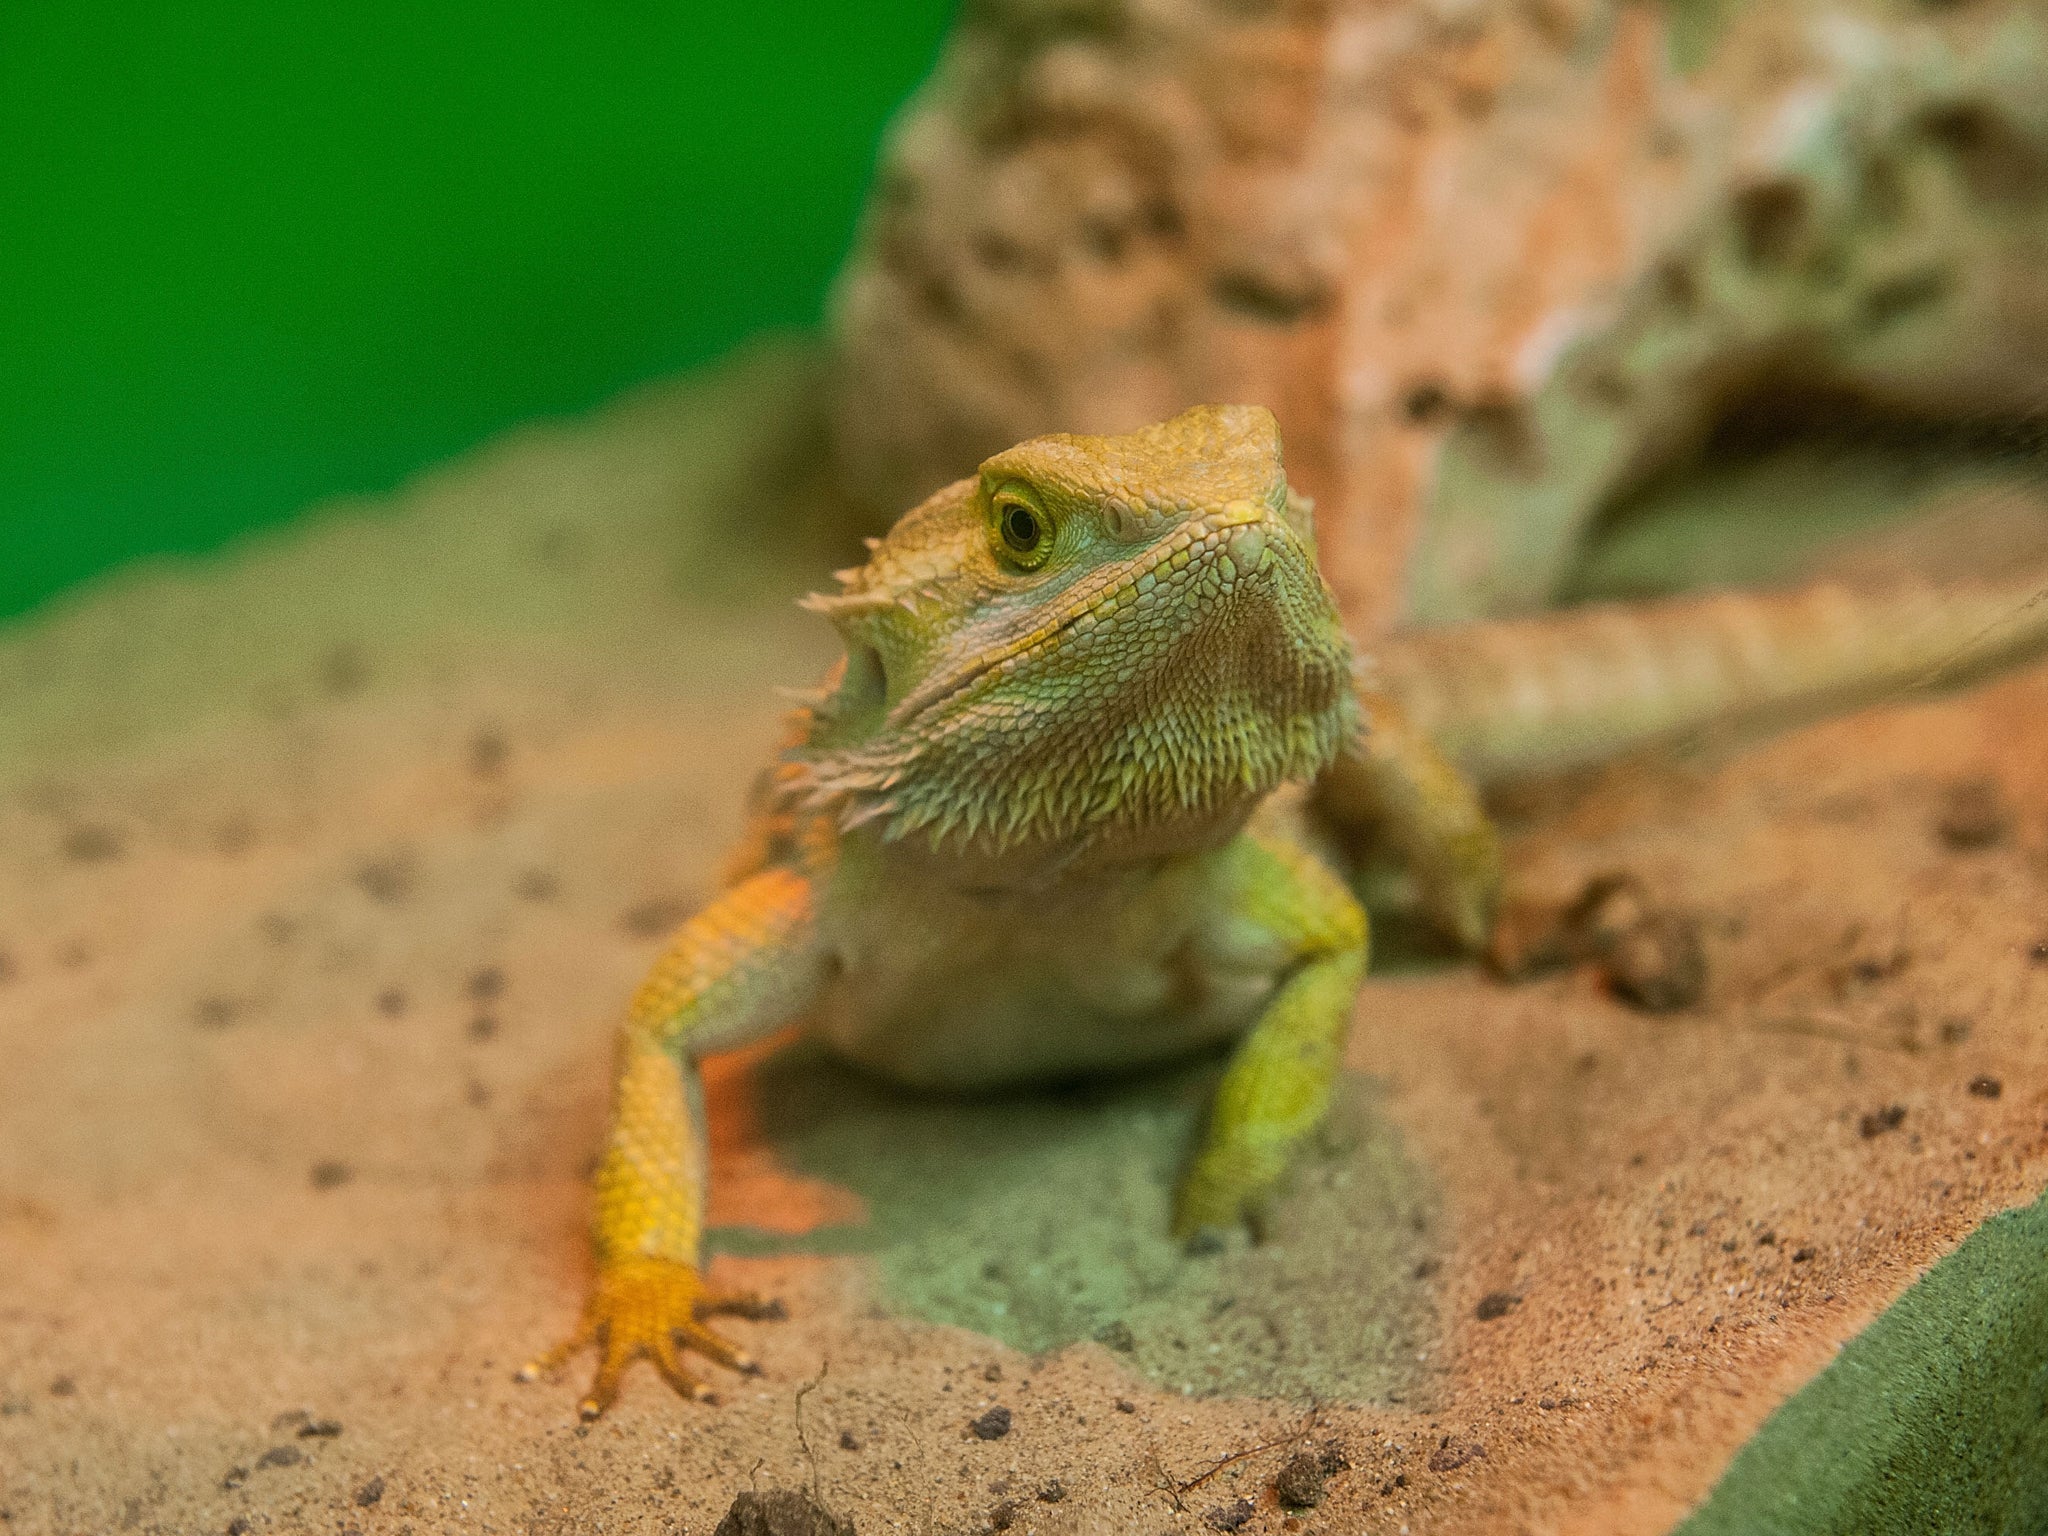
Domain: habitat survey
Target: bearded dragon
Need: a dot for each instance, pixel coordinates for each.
(1065, 806)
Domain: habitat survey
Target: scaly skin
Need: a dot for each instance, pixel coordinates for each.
(1030, 824)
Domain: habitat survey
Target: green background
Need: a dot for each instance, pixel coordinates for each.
(253, 254)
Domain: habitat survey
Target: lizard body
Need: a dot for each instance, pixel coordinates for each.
(1051, 815)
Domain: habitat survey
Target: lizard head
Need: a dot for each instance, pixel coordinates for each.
(1094, 644)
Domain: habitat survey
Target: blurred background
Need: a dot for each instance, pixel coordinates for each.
(256, 255)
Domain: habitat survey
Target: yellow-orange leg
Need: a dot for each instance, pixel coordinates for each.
(736, 970)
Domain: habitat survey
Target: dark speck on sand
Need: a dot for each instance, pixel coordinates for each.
(385, 881)
(1234, 1516)
(91, 844)
(1878, 1121)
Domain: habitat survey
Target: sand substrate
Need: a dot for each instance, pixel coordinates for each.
(325, 864)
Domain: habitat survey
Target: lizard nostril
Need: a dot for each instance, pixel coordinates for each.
(1123, 522)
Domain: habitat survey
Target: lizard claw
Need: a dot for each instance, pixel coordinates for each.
(651, 1307)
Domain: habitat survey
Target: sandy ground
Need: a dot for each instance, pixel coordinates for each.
(323, 866)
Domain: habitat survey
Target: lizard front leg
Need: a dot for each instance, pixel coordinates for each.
(1277, 1087)
(736, 970)
(1396, 783)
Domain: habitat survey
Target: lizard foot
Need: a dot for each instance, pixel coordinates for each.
(651, 1307)
(1460, 884)
(1218, 1196)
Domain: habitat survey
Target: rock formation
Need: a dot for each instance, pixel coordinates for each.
(1502, 267)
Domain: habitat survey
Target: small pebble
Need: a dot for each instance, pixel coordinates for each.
(1300, 1483)
(1452, 1454)
(780, 1512)
(90, 844)
(1425, 402)
(1878, 1121)
(215, 1012)
(1495, 1304)
(488, 751)
(1986, 1087)
(992, 1425)
(1117, 1335)
(1234, 1516)
(281, 1456)
(387, 881)
(331, 1174)
(1973, 815)
(370, 1493)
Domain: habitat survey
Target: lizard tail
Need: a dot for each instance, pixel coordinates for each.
(1517, 697)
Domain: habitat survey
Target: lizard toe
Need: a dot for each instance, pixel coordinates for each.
(644, 1308)
(747, 1304)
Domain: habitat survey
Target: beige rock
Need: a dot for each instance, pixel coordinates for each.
(1502, 269)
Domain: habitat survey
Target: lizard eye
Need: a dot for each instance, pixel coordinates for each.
(1021, 530)
(1026, 532)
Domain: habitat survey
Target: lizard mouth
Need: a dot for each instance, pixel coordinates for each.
(1240, 532)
